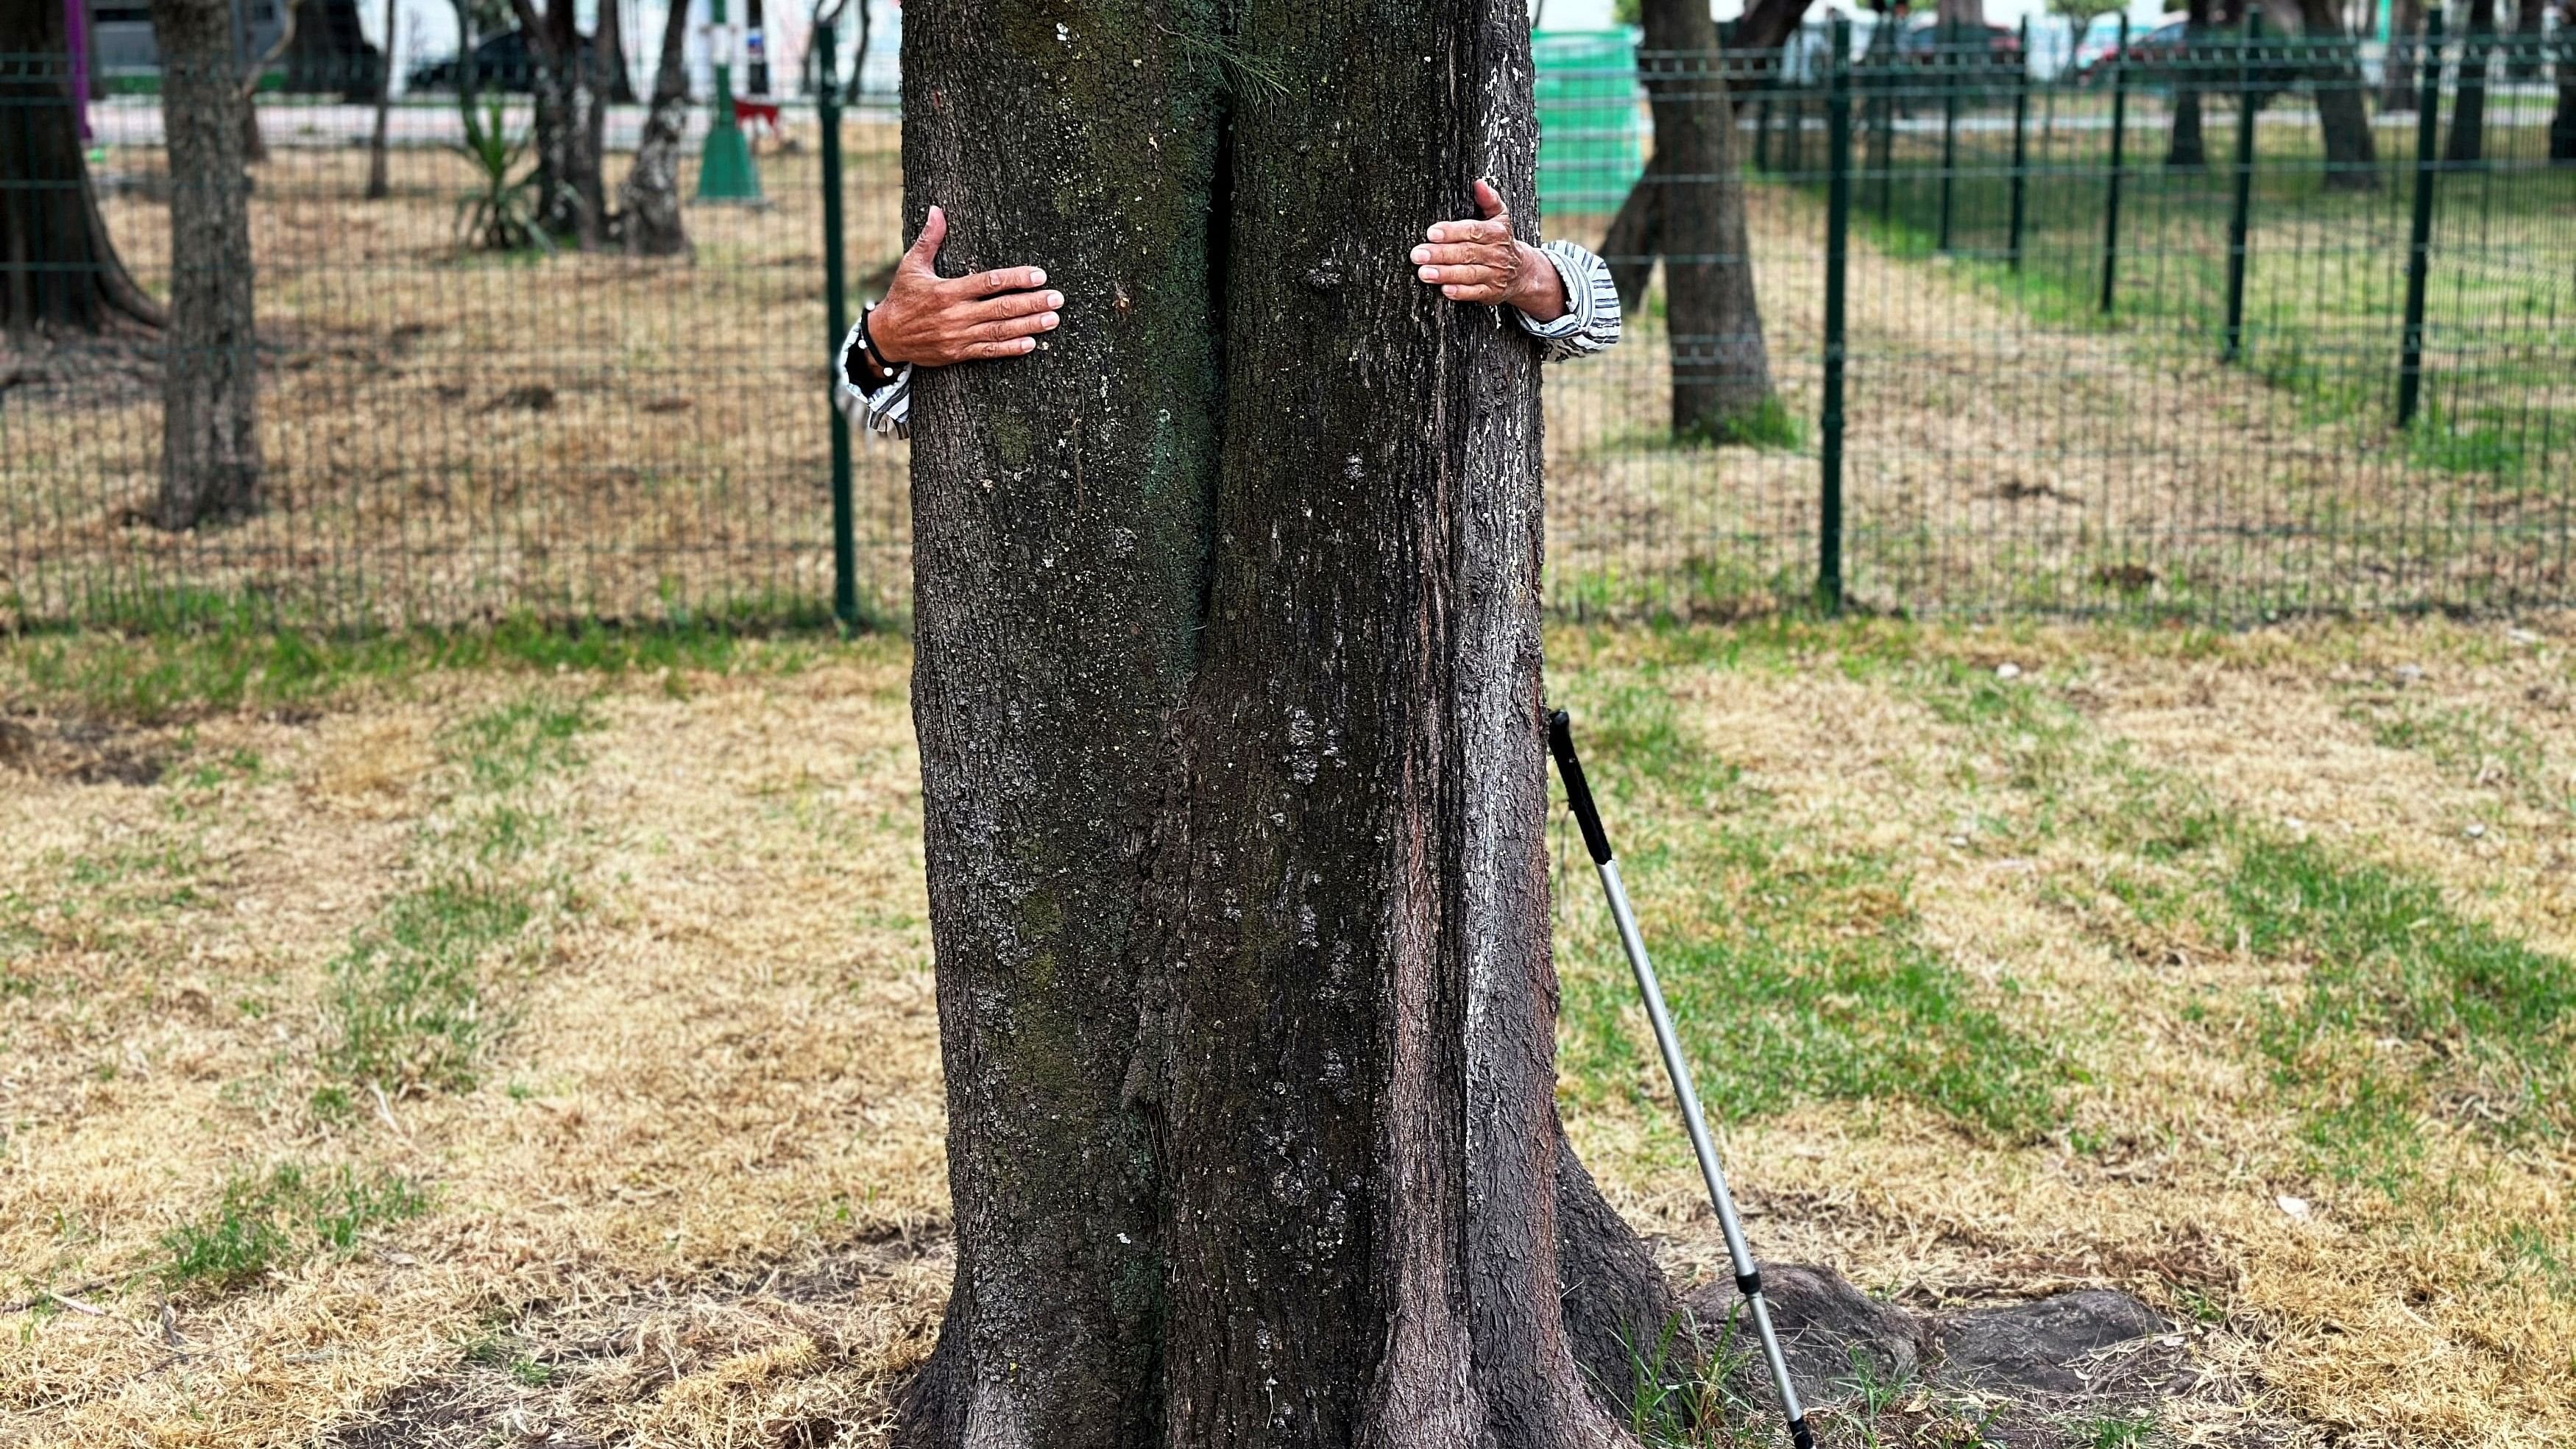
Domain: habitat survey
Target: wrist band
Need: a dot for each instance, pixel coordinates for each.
(876, 360)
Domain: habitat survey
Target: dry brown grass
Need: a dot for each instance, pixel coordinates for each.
(1994, 458)
(695, 1195)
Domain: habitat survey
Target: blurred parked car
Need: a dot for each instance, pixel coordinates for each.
(501, 63)
(2157, 45)
(1927, 44)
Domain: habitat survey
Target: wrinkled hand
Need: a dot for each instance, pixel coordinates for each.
(1480, 261)
(931, 321)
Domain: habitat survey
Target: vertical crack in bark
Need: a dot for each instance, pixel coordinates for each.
(1227, 687)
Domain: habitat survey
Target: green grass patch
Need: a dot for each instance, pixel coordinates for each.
(265, 1222)
(407, 998)
(219, 654)
(1793, 975)
(2470, 1020)
(2473, 746)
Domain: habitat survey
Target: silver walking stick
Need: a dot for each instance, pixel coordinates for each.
(1748, 1276)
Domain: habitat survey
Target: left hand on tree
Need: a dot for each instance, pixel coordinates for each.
(1480, 261)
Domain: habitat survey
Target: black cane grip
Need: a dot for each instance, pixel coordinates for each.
(1560, 742)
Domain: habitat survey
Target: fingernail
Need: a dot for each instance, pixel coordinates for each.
(1037, 279)
(1431, 274)
(1421, 254)
(1055, 299)
(1050, 320)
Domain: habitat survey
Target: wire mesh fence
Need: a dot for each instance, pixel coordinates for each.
(2218, 322)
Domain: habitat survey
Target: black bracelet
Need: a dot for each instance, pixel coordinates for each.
(884, 370)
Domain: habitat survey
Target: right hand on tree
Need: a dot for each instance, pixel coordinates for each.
(931, 321)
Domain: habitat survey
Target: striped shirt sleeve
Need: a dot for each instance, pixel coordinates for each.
(1591, 320)
(887, 410)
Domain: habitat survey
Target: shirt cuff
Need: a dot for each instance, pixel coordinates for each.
(1578, 291)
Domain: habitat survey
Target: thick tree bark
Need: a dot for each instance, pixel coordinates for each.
(1227, 689)
(2468, 139)
(1721, 366)
(2397, 74)
(2562, 120)
(58, 266)
(2188, 150)
(2343, 116)
(650, 219)
(210, 464)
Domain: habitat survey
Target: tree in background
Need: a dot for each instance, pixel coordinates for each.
(616, 78)
(2524, 59)
(1227, 685)
(1688, 208)
(2468, 139)
(2188, 149)
(2562, 120)
(649, 222)
(2397, 74)
(570, 122)
(2343, 114)
(58, 265)
(210, 454)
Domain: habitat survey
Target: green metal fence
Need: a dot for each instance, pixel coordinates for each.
(2026, 350)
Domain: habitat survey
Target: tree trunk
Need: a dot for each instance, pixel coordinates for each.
(568, 121)
(2522, 61)
(2188, 150)
(2468, 141)
(1228, 697)
(650, 215)
(58, 266)
(210, 463)
(608, 41)
(2562, 120)
(2398, 78)
(1721, 368)
(2343, 116)
(378, 184)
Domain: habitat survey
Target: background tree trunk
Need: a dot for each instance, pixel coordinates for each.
(210, 464)
(58, 266)
(2562, 120)
(2522, 62)
(650, 201)
(608, 39)
(378, 184)
(1695, 220)
(2397, 79)
(2343, 116)
(568, 121)
(1227, 689)
(2468, 140)
(2188, 150)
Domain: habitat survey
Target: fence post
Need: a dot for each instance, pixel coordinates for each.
(1829, 527)
(1946, 52)
(2419, 249)
(2241, 214)
(1762, 134)
(836, 307)
(2021, 141)
(2119, 139)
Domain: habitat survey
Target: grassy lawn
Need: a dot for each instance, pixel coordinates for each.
(522, 1033)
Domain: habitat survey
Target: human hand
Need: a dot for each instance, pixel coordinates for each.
(1480, 261)
(931, 321)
